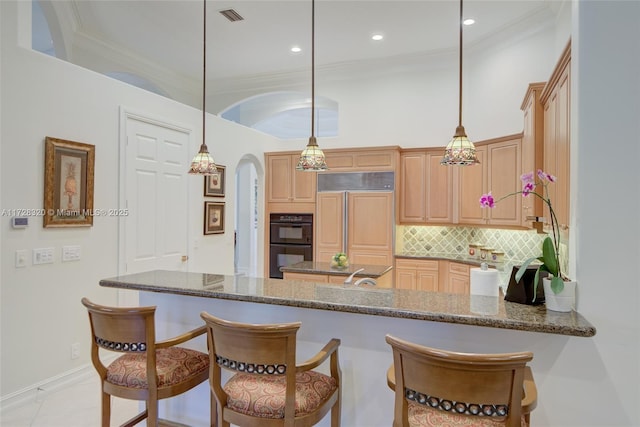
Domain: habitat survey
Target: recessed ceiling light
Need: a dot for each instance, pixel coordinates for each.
(469, 21)
(377, 37)
(296, 49)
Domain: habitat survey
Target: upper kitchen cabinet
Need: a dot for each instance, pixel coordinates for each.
(499, 172)
(426, 186)
(532, 147)
(364, 160)
(284, 183)
(557, 113)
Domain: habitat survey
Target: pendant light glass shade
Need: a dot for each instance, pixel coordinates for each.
(312, 158)
(460, 150)
(202, 163)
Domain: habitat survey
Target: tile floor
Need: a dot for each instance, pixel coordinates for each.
(76, 405)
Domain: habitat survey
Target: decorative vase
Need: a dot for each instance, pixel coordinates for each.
(563, 301)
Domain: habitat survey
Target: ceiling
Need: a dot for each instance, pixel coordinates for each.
(168, 33)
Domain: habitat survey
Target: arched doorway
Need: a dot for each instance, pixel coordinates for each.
(247, 216)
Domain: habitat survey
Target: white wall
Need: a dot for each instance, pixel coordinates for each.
(42, 96)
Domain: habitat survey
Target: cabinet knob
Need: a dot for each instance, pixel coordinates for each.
(184, 258)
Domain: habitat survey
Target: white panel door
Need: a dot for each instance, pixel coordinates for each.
(156, 191)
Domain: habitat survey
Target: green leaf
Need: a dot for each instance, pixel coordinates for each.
(549, 256)
(535, 285)
(523, 268)
(557, 285)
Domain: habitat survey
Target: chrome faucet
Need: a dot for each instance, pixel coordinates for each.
(365, 281)
(349, 280)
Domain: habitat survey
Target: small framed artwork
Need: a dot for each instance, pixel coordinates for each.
(68, 183)
(213, 217)
(214, 184)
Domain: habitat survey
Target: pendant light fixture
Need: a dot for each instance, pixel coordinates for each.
(202, 163)
(460, 151)
(312, 158)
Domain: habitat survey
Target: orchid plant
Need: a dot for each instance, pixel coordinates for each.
(550, 257)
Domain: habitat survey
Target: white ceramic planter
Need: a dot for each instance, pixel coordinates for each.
(564, 301)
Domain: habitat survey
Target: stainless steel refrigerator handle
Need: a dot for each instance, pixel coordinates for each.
(345, 217)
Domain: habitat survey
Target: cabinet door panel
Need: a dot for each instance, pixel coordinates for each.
(439, 199)
(370, 221)
(329, 225)
(504, 179)
(412, 187)
(405, 279)
(304, 185)
(427, 280)
(472, 184)
(279, 176)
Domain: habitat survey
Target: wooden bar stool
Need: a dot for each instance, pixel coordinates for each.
(148, 370)
(436, 387)
(268, 388)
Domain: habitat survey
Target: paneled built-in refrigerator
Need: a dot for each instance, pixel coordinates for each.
(355, 215)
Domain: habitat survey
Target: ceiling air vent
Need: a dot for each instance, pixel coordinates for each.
(231, 15)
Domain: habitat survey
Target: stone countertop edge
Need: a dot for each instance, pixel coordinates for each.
(317, 267)
(418, 305)
(450, 257)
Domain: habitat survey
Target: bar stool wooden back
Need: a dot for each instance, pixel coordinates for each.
(436, 387)
(148, 370)
(267, 387)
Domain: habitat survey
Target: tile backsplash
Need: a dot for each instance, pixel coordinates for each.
(517, 245)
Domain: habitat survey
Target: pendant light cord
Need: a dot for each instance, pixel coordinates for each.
(313, 67)
(204, 72)
(460, 72)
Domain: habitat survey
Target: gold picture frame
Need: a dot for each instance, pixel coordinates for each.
(213, 217)
(214, 184)
(68, 183)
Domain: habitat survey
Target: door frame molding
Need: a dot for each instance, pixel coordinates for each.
(127, 113)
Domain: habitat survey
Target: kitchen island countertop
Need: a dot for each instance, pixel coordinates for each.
(316, 267)
(399, 303)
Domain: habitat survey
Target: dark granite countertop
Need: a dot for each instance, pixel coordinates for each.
(315, 267)
(431, 306)
(463, 259)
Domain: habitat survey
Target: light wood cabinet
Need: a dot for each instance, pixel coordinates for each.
(455, 277)
(416, 274)
(557, 114)
(368, 218)
(369, 159)
(499, 171)
(426, 188)
(285, 184)
(532, 147)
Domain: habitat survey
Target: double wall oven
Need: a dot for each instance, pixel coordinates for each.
(291, 240)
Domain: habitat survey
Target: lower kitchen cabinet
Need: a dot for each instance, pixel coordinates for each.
(383, 281)
(415, 274)
(432, 275)
(455, 277)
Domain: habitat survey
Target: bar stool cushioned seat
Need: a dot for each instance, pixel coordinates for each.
(424, 416)
(265, 397)
(173, 366)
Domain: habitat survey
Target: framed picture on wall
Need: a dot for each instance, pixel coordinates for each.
(68, 183)
(214, 184)
(213, 217)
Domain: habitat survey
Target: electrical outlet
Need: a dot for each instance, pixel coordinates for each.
(75, 350)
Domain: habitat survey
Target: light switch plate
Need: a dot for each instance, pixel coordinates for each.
(21, 258)
(70, 253)
(42, 256)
